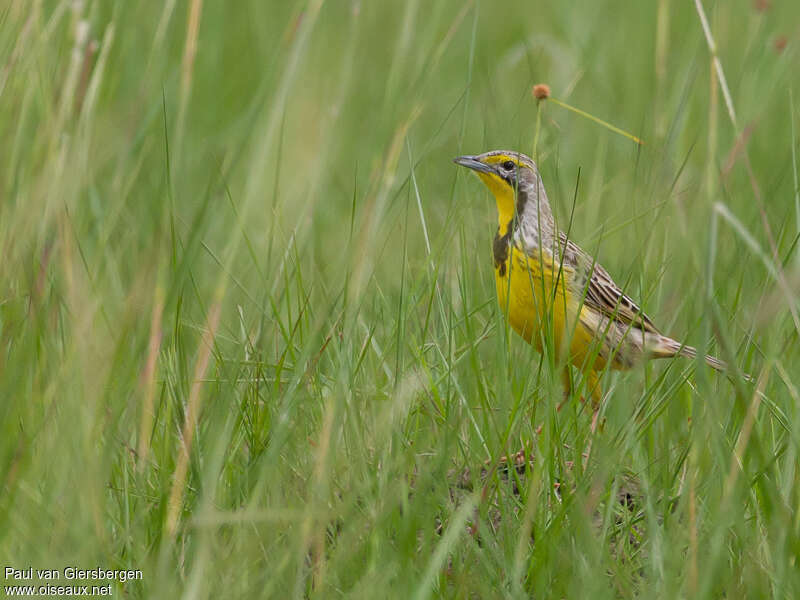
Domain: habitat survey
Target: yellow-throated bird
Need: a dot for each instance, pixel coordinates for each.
(550, 289)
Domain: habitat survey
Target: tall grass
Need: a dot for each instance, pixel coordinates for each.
(249, 341)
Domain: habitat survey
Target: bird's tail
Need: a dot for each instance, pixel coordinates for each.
(667, 348)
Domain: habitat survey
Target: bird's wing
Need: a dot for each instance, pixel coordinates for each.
(602, 293)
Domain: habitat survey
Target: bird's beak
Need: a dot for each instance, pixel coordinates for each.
(473, 163)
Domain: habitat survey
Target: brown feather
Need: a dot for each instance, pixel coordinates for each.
(602, 293)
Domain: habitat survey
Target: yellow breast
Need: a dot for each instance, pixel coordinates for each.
(536, 298)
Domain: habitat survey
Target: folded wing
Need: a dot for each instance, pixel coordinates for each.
(602, 294)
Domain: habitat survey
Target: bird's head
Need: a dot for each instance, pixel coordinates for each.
(512, 177)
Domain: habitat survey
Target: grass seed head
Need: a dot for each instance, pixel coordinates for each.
(541, 91)
(762, 6)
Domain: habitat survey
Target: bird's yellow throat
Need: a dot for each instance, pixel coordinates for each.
(504, 196)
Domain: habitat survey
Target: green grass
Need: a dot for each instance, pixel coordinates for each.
(249, 341)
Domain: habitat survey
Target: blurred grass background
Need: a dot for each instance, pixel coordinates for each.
(248, 334)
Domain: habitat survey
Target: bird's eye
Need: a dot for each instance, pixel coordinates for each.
(509, 165)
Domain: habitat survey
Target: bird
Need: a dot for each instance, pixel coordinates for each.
(552, 292)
